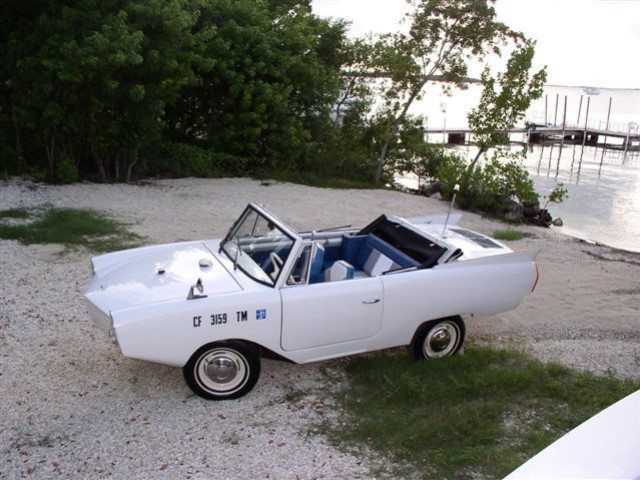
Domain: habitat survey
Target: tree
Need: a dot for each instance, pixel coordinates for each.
(90, 79)
(268, 96)
(505, 99)
(443, 36)
(102, 83)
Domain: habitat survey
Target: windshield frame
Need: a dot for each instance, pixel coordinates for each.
(229, 245)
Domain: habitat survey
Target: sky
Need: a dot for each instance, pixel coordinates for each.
(592, 43)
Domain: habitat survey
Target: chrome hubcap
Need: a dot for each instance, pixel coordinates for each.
(441, 340)
(222, 371)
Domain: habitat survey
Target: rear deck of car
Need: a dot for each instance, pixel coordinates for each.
(379, 248)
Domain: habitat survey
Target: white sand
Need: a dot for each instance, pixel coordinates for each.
(72, 406)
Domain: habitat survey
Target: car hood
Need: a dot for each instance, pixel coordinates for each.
(157, 274)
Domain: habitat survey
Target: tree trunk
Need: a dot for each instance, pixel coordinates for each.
(481, 150)
(99, 164)
(129, 169)
(51, 154)
(396, 126)
(19, 150)
(117, 167)
(352, 84)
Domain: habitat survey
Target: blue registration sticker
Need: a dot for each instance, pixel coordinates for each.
(261, 314)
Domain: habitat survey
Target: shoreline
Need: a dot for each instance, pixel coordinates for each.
(573, 234)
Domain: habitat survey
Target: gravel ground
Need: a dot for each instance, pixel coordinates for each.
(73, 407)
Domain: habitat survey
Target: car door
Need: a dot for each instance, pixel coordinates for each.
(330, 313)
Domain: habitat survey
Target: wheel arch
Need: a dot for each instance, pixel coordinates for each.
(260, 350)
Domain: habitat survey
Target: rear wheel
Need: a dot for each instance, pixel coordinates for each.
(223, 371)
(438, 338)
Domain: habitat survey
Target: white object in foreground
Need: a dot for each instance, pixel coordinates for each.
(214, 307)
(607, 446)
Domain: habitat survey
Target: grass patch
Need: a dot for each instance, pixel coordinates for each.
(478, 414)
(15, 213)
(508, 235)
(68, 226)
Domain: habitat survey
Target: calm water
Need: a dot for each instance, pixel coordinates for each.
(604, 201)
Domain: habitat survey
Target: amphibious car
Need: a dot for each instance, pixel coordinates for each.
(215, 307)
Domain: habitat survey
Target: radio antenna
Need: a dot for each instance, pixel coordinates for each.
(456, 189)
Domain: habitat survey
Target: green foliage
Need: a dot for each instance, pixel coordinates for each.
(67, 171)
(488, 187)
(443, 36)
(508, 235)
(234, 87)
(105, 72)
(70, 227)
(505, 99)
(557, 195)
(424, 160)
(249, 83)
(475, 415)
(453, 170)
(186, 160)
(268, 95)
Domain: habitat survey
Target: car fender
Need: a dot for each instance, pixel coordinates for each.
(170, 332)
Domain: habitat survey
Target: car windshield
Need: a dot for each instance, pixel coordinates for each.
(258, 246)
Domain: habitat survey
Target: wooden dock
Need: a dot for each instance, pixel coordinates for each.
(569, 135)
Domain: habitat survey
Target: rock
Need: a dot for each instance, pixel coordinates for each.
(557, 222)
(431, 189)
(512, 210)
(544, 218)
(531, 211)
(512, 216)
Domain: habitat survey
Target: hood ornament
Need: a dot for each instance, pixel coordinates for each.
(192, 291)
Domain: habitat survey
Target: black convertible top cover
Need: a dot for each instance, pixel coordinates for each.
(416, 246)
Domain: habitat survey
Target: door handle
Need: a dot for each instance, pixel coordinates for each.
(371, 302)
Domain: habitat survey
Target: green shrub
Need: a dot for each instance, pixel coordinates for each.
(451, 171)
(425, 161)
(67, 172)
(489, 187)
(557, 195)
(185, 160)
(39, 174)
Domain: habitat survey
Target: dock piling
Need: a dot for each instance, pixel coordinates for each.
(564, 123)
(573, 159)
(605, 137)
(584, 135)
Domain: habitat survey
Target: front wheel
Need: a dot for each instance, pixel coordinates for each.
(438, 338)
(223, 371)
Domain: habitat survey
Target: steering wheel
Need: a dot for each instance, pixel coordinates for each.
(277, 264)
